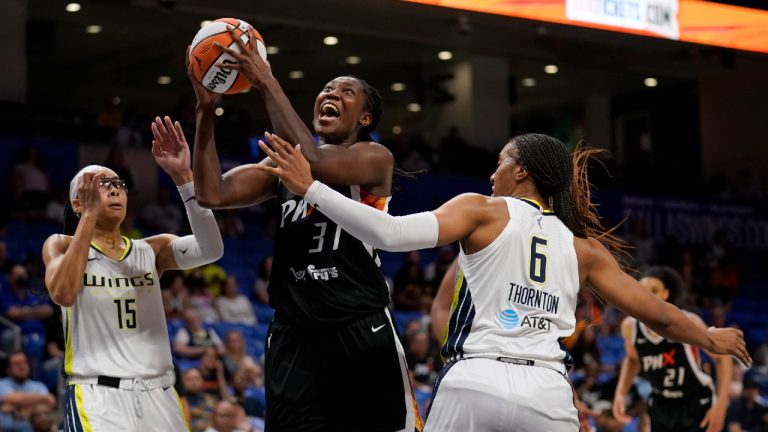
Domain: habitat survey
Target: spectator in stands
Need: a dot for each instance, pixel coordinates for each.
(19, 395)
(261, 284)
(235, 356)
(192, 340)
(421, 360)
(748, 413)
(411, 291)
(234, 307)
(5, 263)
(246, 384)
(224, 418)
(162, 216)
(435, 271)
(30, 181)
(24, 309)
(643, 246)
(54, 210)
(210, 275)
(175, 296)
(200, 296)
(198, 405)
(758, 373)
(41, 419)
(212, 370)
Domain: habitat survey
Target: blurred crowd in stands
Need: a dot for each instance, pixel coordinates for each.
(218, 315)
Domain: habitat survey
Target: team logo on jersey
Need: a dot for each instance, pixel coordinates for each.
(299, 275)
(509, 318)
(295, 210)
(659, 361)
(322, 273)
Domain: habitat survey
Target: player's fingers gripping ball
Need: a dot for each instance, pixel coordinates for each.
(203, 55)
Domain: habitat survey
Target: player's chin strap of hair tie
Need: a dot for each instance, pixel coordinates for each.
(374, 227)
(205, 244)
(139, 385)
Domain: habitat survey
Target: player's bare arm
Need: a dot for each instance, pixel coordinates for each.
(440, 312)
(630, 367)
(598, 268)
(65, 257)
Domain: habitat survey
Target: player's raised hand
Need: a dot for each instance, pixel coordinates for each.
(292, 166)
(205, 97)
(171, 150)
(249, 62)
(89, 194)
(729, 341)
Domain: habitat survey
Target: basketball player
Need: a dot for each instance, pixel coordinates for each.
(333, 360)
(117, 357)
(683, 398)
(525, 252)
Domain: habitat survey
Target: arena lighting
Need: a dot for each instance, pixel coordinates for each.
(650, 82)
(204, 23)
(697, 21)
(164, 80)
(528, 82)
(330, 40)
(116, 100)
(445, 55)
(413, 107)
(272, 50)
(219, 111)
(551, 69)
(353, 60)
(396, 130)
(72, 7)
(397, 87)
(296, 74)
(93, 29)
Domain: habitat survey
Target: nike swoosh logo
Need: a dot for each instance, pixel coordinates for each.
(375, 329)
(183, 251)
(190, 199)
(93, 259)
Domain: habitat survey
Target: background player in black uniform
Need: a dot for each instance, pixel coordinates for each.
(333, 360)
(683, 397)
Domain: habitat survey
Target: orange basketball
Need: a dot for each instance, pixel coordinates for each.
(203, 55)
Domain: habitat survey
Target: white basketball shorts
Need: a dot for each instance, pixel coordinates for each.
(97, 408)
(486, 395)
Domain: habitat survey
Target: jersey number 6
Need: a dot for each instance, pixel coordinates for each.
(538, 260)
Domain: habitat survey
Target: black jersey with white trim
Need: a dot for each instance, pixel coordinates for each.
(322, 275)
(672, 368)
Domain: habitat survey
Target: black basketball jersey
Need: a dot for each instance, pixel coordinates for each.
(672, 368)
(321, 275)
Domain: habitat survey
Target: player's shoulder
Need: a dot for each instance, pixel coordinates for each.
(58, 241)
(373, 148)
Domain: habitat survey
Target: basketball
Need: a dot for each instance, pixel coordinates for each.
(203, 55)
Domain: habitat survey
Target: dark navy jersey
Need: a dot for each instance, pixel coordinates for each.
(321, 275)
(672, 368)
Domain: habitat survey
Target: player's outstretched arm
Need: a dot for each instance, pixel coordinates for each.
(630, 367)
(239, 187)
(171, 152)
(65, 257)
(453, 221)
(598, 267)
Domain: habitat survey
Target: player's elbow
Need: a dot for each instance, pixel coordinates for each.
(207, 201)
(63, 297)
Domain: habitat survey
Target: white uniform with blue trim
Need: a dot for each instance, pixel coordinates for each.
(514, 300)
(117, 357)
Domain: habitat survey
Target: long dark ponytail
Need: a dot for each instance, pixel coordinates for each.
(562, 179)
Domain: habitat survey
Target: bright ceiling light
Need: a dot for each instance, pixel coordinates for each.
(72, 7)
(445, 55)
(219, 111)
(164, 80)
(353, 60)
(528, 82)
(650, 82)
(397, 87)
(272, 50)
(397, 130)
(330, 40)
(551, 69)
(93, 29)
(413, 107)
(296, 74)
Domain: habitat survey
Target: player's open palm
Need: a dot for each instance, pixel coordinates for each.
(249, 62)
(89, 193)
(729, 341)
(205, 97)
(169, 147)
(292, 167)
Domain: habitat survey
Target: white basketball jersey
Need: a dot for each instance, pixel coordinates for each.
(117, 325)
(517, 297)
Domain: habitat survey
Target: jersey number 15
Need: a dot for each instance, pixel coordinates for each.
(126, 313)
